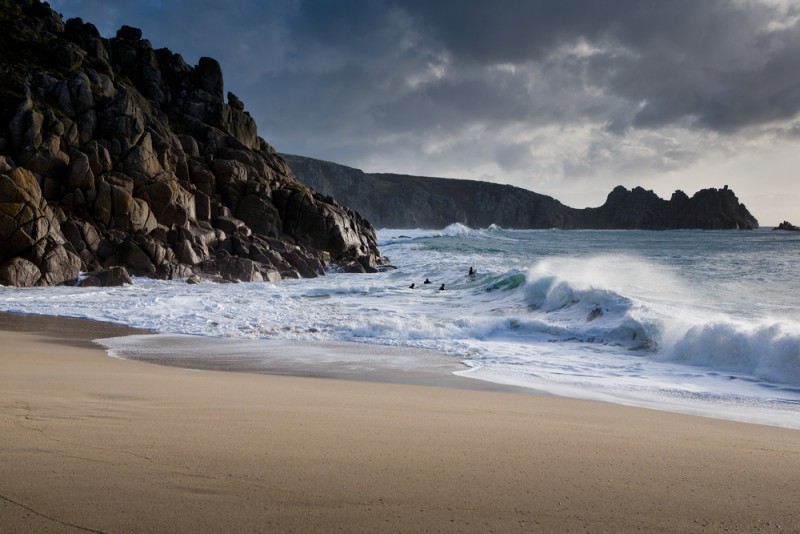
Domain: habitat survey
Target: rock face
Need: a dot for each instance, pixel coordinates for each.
(709, 209)
(115, 154)
(786, 225)
(395, 201)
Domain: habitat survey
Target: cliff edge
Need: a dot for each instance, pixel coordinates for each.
(115, 154)
(400, 201)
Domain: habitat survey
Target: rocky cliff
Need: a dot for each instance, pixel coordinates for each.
(708, 209)
(113, 153)
(787, 226)
(395, 201)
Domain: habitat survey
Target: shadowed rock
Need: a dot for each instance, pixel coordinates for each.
(114, 276)
(787, 226)
(116, 154)
(19, 272)
(399, 201)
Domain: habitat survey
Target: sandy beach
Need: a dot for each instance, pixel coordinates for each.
(97, 444)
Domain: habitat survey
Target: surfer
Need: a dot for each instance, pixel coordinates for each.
(471, 271)
(412, 286)
(427, 281)
(441, 288)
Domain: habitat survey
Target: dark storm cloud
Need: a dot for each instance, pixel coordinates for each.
(717, 64)
(308, 69)
(722, 64)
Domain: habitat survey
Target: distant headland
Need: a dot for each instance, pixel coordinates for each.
(786, 225)
(398, 201)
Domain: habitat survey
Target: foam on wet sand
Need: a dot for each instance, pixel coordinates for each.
(89, 442)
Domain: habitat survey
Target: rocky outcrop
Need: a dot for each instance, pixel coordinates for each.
(115, 276)
(400, 201)
(787, 226)
(709, 209)
(34, 251)
(396, 201)
(116, 154)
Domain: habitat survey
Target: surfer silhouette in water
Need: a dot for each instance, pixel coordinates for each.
(412, 286)
(471, 271)
(441, 288)
(427, 281)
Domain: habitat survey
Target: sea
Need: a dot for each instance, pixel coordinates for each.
(690, 321)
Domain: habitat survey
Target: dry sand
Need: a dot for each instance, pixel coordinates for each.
(91, 443)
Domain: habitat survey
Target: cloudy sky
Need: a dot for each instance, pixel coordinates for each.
(564, 97)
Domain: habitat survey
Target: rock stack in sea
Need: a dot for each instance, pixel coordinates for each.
(401, 201)
(786, 225)
(119, 158)
(708, 209)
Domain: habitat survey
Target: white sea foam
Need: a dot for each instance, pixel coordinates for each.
(770, 351)
(656, 319)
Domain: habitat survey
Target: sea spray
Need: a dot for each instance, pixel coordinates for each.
(652, 318)
(770, 351)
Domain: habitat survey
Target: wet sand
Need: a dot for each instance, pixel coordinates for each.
(92, 443)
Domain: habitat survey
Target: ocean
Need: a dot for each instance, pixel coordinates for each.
(699, 322)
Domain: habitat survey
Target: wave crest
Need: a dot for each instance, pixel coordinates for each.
(767, 351)
(387, 236)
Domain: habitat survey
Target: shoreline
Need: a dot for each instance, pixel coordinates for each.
(104, 444)
(340, 360)
(337, 360)
(303, 359)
